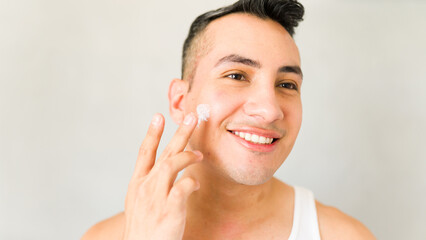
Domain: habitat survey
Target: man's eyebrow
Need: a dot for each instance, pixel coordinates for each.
(291, 69)
(235, 58)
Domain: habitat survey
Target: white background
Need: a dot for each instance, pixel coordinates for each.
(80, 81)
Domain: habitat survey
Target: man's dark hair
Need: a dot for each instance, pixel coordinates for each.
(288, 13)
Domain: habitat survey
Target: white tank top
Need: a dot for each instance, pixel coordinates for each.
(305, 221)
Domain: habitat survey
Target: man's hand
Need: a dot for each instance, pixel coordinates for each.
(155, 206)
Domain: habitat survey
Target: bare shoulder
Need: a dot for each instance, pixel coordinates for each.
(111, 228)
(334, 224)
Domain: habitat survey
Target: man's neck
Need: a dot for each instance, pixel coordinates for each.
(221, 201)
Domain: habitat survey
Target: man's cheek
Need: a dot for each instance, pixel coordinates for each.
(222, 101)
(217, 107)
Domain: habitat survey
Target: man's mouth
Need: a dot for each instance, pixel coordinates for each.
(254, 138)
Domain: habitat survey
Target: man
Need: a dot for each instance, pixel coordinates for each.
(241, 62)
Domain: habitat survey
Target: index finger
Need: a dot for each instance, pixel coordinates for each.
(148, 149)
(181, 137)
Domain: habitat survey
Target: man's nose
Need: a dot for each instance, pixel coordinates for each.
(262, 104)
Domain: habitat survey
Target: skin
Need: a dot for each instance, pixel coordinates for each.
(214, 199)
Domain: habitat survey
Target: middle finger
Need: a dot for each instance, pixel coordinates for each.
(181, 137)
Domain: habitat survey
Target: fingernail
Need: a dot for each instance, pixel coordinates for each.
(156, 120)
(189, 119)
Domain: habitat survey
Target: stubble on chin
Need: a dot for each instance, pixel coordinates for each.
(244, 175)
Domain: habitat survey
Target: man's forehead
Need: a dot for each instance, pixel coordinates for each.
(242, 34)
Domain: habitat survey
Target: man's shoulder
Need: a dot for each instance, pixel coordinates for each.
(111, 228)
(334, 224)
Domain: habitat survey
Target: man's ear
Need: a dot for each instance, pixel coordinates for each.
(177, 92)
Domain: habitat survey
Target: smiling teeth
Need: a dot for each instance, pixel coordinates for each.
(254, 138)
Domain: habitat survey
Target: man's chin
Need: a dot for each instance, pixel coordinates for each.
(251, 178)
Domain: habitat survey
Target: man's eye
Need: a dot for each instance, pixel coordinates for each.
(288, 85)
(236, 76)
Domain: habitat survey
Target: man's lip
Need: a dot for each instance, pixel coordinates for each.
(255, 146)
(258, 131)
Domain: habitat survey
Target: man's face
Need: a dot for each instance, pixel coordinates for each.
(250, 78)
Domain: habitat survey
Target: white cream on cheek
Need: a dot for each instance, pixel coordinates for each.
(203, 112)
